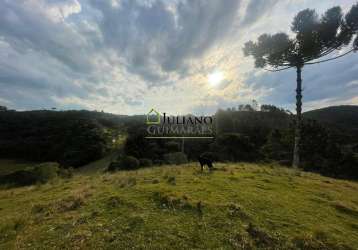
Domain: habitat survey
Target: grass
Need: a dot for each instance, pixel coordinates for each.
(237, 206)
(8, 166)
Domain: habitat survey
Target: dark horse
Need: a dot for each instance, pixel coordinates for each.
(205, 161)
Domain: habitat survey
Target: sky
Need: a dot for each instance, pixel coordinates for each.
(177, 56)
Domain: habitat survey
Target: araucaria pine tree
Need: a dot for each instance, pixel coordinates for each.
(315, 38)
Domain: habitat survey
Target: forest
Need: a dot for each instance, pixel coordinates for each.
(242, 134)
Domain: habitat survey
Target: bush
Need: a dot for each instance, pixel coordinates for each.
(46, 171)
(41, 173)
(119, 157)
(278, 146)
(144, 162)
(234, 147)
(129, 163)
(19, 178)
(349, 165)
(66, 172)
(125, 163)
(158, 162)
(172, 146)
(113, 166)
(175, 158)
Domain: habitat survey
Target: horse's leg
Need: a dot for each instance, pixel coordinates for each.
(210, 165)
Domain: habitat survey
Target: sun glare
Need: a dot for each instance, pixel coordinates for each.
(215, 78)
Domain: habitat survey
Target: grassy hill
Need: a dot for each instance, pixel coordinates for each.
(238, 206)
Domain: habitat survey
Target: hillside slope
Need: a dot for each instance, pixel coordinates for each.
(343, 118)
(72, 138)
(238, 206)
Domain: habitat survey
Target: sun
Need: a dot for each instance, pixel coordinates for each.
(215, 78)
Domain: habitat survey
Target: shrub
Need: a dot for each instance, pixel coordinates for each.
(234, 147)
(144, 162)
(119, 157)
(278, 146)
(46, 171)
(19, 178)
(158, 162)
(350, 165)
(172, 146)
(127, 163)
(40, 174)
(113, 166)
(66, 172)
(175, 158)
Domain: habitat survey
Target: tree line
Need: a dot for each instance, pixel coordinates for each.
(248, 134)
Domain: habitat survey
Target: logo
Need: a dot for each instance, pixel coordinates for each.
(153, 117)
(162, 125)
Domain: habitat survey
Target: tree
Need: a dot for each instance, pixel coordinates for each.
(315, 37)
(3, 108)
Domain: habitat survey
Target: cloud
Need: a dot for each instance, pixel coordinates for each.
(28, 26)
(158, 38)
(327, 81)
(256, 9)
(125, 56)
(59, 10)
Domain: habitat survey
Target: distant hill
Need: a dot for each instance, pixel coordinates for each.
(72, 138)
(342, 118)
